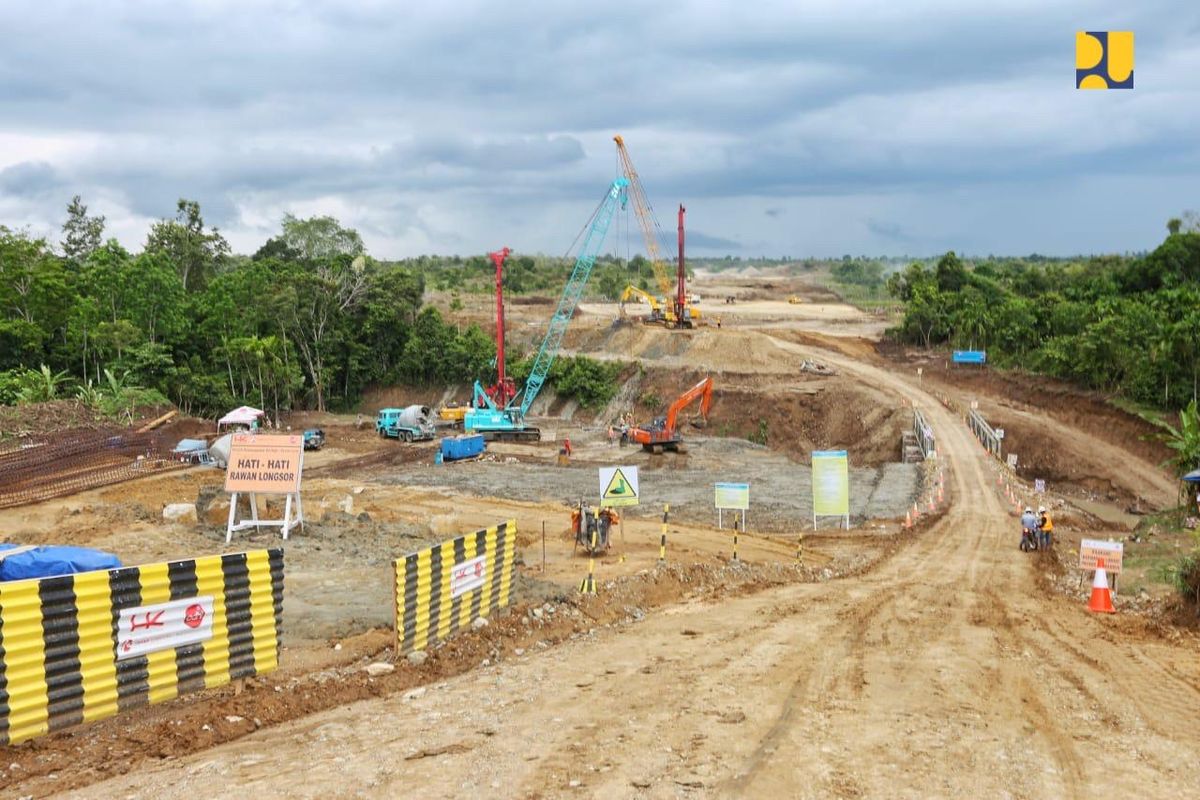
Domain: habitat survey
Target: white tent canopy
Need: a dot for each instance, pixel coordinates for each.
(244, 415)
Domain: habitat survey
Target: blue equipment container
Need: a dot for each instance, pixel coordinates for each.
(456, 448)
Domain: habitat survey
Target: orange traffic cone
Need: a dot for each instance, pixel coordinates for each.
(931, 506)
(1101, 601)
(941, 493)
(908, 519)
(916, 512)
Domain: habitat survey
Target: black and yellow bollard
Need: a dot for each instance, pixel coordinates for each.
(588, 584)
(736, 525)
(800, 548)
(662, 541)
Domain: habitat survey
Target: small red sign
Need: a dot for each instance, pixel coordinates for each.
(194, 616)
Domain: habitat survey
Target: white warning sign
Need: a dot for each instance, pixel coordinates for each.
(163, 626)
(470, 574)
(618, 486)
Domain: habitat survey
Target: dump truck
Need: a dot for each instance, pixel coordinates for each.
(409, 424)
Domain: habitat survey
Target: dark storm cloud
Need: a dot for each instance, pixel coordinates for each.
(889, 231)
(438, 120)
(29, 179)
(701, 240)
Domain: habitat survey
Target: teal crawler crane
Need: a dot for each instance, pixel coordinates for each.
(507, 422)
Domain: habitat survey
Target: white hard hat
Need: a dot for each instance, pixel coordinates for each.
(1028, 510)
(1041, 509)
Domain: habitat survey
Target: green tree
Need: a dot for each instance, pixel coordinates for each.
(82, 234)
(420, 362)
(196, 252)
(950, 272)
(926, 315)
(40, 385)
(155, 298)
(320, 239)
(1183, 440)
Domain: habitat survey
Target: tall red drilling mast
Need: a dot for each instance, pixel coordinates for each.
(681, 308)
(504, 389)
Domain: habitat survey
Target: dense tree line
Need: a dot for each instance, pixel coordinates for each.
(1126, 325)
(533, 274)
(309, 320)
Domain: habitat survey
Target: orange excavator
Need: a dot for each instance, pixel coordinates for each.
(663, 433)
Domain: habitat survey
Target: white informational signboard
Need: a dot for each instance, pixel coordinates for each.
(1092, 550)
(262, 464)
(163, 626)
(731, 497)
(1012, 460)
(619, 486)
(1039, 486)
(470, 574)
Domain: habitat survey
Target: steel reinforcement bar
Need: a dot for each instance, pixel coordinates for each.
(39, 468)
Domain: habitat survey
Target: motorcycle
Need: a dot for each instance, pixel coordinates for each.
(1028, 539)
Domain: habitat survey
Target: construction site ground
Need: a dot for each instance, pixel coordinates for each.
(932, 661)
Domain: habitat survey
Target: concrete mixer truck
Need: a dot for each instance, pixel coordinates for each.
(410, 424)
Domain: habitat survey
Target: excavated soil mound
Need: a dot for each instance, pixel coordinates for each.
(719, 350)
(790, 415)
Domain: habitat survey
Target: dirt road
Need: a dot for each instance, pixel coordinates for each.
(945, 672)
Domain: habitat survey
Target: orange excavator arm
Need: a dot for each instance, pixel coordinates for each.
(702, 390)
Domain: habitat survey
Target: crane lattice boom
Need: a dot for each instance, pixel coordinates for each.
(646, 220)
(592, 242)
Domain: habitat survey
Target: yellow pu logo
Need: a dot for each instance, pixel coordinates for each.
(1104, 60)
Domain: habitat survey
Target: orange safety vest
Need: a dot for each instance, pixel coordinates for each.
(1047, 523)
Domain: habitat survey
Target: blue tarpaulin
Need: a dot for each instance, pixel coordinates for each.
(1193, 476)
(44, 562)
(969, 357)
(189, 445)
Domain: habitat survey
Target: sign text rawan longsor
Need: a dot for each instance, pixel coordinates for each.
(264, 464)
(253, 469)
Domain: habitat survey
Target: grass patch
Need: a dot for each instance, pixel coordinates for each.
(865, 297)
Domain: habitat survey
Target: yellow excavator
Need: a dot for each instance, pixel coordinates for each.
(657, 312)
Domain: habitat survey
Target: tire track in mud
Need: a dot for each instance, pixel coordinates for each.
(958, 568)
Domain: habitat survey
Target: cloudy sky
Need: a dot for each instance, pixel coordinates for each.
(797, 128)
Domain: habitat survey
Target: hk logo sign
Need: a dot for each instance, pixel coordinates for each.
(1104, 60)
(164, 626)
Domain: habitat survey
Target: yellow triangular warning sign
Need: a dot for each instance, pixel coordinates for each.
(618, 487)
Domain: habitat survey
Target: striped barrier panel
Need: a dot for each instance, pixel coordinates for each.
(77, 648)
(446, 587)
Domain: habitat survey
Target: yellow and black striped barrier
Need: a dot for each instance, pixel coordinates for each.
(78, 648)
(444, 588)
